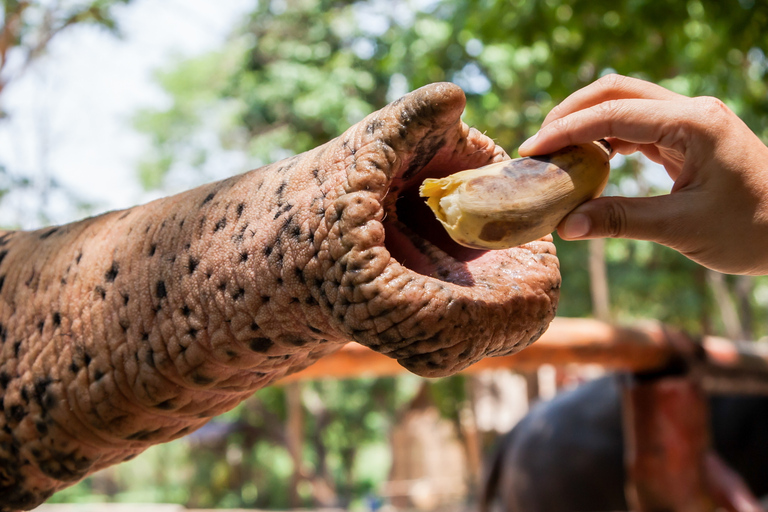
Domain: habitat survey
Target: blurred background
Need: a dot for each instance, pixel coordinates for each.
(109, 103)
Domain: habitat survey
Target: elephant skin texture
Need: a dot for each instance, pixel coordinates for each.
(567, 454)
(136, 327)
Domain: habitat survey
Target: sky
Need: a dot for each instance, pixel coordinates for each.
(69, 115)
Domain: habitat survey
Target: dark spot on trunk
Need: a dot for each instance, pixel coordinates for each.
(267, 251)
(97, 375)
(209, 197)
(16, 349)
(87, 359)
(152, 249)
(2, 282)
(56, 319)
(221, 224)
(15, 414)
(141, 435)
(101, 292)
(48, 233)
(186, 311)
(160, 290)
(41, 386)
(200, 379)
(296, 341)
(239, 294)
(283, 209)
(4, 379)
(3, 333)
(112, 272)
(243, 257)
(254, 326)
(126, 297)
(192, 265)
(165, 405)
(74, 367)
(41, 428)
(240, 209)
(314, 329)
(260, 345)
(192, 332)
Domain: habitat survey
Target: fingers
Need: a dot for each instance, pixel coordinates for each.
(610, 87)
(644, 218)
(638, 121)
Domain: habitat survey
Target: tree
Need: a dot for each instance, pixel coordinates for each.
(27, 28)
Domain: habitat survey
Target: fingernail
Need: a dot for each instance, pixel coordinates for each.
(576, 226)
(529, 142)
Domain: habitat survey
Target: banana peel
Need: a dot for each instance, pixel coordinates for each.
(511, 203)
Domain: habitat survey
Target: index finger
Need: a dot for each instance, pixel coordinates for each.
(639, 121)
(609, 87)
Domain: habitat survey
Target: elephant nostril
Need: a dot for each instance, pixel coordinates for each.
(413, 211)
(414, 239)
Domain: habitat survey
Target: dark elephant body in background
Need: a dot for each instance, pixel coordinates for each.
(567, 454)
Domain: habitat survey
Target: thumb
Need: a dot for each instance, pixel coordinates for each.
(640, 218)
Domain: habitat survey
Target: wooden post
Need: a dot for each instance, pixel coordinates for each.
(666, 438)
(295, 438)
(670, 464)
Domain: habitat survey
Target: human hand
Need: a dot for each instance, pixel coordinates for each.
(717, 211)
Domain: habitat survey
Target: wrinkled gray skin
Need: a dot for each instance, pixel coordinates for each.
(136, 327)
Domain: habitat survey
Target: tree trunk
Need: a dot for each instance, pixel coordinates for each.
(728, 312)
(598, 280)
(295, 438)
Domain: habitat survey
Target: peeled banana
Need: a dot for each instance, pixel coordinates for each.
(510, 203)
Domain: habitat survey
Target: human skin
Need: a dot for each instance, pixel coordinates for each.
(136, 327)
(717, 211)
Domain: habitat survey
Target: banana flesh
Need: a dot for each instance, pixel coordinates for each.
(511, 203)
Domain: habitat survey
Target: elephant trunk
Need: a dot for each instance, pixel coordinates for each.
(138, 326)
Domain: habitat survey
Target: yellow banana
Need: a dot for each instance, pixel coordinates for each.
(510, 203)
